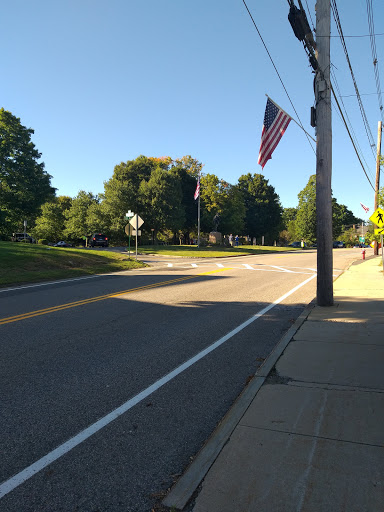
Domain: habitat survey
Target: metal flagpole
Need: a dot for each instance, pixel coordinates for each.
(198, 218)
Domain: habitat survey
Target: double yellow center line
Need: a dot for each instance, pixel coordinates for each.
(83, 302)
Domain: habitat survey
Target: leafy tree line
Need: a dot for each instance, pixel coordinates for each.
(300, 222)
(161, 191)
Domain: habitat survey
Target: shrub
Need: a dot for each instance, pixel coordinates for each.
(42, 241)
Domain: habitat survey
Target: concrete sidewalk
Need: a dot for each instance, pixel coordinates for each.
(313, 437)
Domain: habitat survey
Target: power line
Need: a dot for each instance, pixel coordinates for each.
(350, 136)
(349, 122)
(362, 111)
(309, 41)
(361, 35)
(361, 94)
(374, 56)
(278, 74)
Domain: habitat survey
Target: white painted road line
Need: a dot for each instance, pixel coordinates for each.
(50, 282)
(281, 268)
(194, 264)
(169, 264)
(220, 265)
(14, 482)
(248, 266)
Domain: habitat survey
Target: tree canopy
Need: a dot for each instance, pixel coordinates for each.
(24, 184)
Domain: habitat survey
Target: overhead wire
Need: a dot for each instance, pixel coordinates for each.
(371, 26)
(360, 102)
(277, 72)
(349, 122)
(349, 128)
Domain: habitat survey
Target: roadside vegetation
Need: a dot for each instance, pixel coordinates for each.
(28, 263)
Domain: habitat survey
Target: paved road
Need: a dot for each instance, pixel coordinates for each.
(109, 385)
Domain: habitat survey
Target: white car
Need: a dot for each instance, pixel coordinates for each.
(62, 244)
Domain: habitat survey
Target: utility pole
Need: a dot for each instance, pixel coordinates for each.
(379, 129)
(324, 156)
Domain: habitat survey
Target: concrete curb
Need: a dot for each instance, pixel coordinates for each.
(187, 484)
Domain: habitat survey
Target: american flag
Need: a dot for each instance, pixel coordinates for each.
(366, 209)
(197, 191)
(275, 124)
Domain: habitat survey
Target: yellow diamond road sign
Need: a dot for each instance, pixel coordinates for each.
(379, 231)
(377, 217)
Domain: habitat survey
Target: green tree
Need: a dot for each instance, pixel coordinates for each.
(184, 172)
(24, 184)
(77, 222)
(121, 191)
(306, 212)
(50, 224)
(288, 215)
(160, 197)
(263, 208)
(342, 218)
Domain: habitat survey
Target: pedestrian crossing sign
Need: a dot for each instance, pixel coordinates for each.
(377, 218)
(379, 231)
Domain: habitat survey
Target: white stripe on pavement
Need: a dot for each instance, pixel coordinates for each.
(281, 268)
(82, 436)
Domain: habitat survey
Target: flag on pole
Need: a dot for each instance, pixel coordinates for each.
(276, 122)
(366, 209)
(197, 191)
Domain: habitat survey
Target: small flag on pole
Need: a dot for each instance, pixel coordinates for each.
(197, 191)
(366, 209)
(276, 122)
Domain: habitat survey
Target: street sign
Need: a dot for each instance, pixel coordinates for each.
(128, 229)
(136, 221)
(379, 231)
(362, 239)
(377, 217)
(129, 214)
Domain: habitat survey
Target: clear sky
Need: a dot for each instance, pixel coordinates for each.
(104, 82)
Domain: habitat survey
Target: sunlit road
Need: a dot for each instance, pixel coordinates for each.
(110, 384)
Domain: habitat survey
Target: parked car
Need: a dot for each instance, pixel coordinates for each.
(98, 239)
(338, 244)
(19, 237)
(297, 244)
(62, 244)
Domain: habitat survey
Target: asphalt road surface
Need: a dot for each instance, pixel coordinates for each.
(109, 385)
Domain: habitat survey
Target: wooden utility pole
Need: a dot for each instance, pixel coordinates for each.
(377, 187)
(324, 156)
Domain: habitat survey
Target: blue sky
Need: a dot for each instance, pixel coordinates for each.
(104, 82)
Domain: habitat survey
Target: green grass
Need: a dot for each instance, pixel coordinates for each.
(192, 251)
(26, 263)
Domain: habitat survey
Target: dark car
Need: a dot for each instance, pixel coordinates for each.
(338, 244)
(21, 237)
(98, 239)
(297, 245)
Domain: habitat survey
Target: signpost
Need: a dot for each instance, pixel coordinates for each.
(377, 218)
(136, 222)
(128, 231)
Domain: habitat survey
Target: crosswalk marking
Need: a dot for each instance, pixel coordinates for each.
(280, 268)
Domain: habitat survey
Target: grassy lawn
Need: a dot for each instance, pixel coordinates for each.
(27, 263)
(192, 251)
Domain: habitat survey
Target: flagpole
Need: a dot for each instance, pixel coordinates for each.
(198, 218)
(299, 125)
